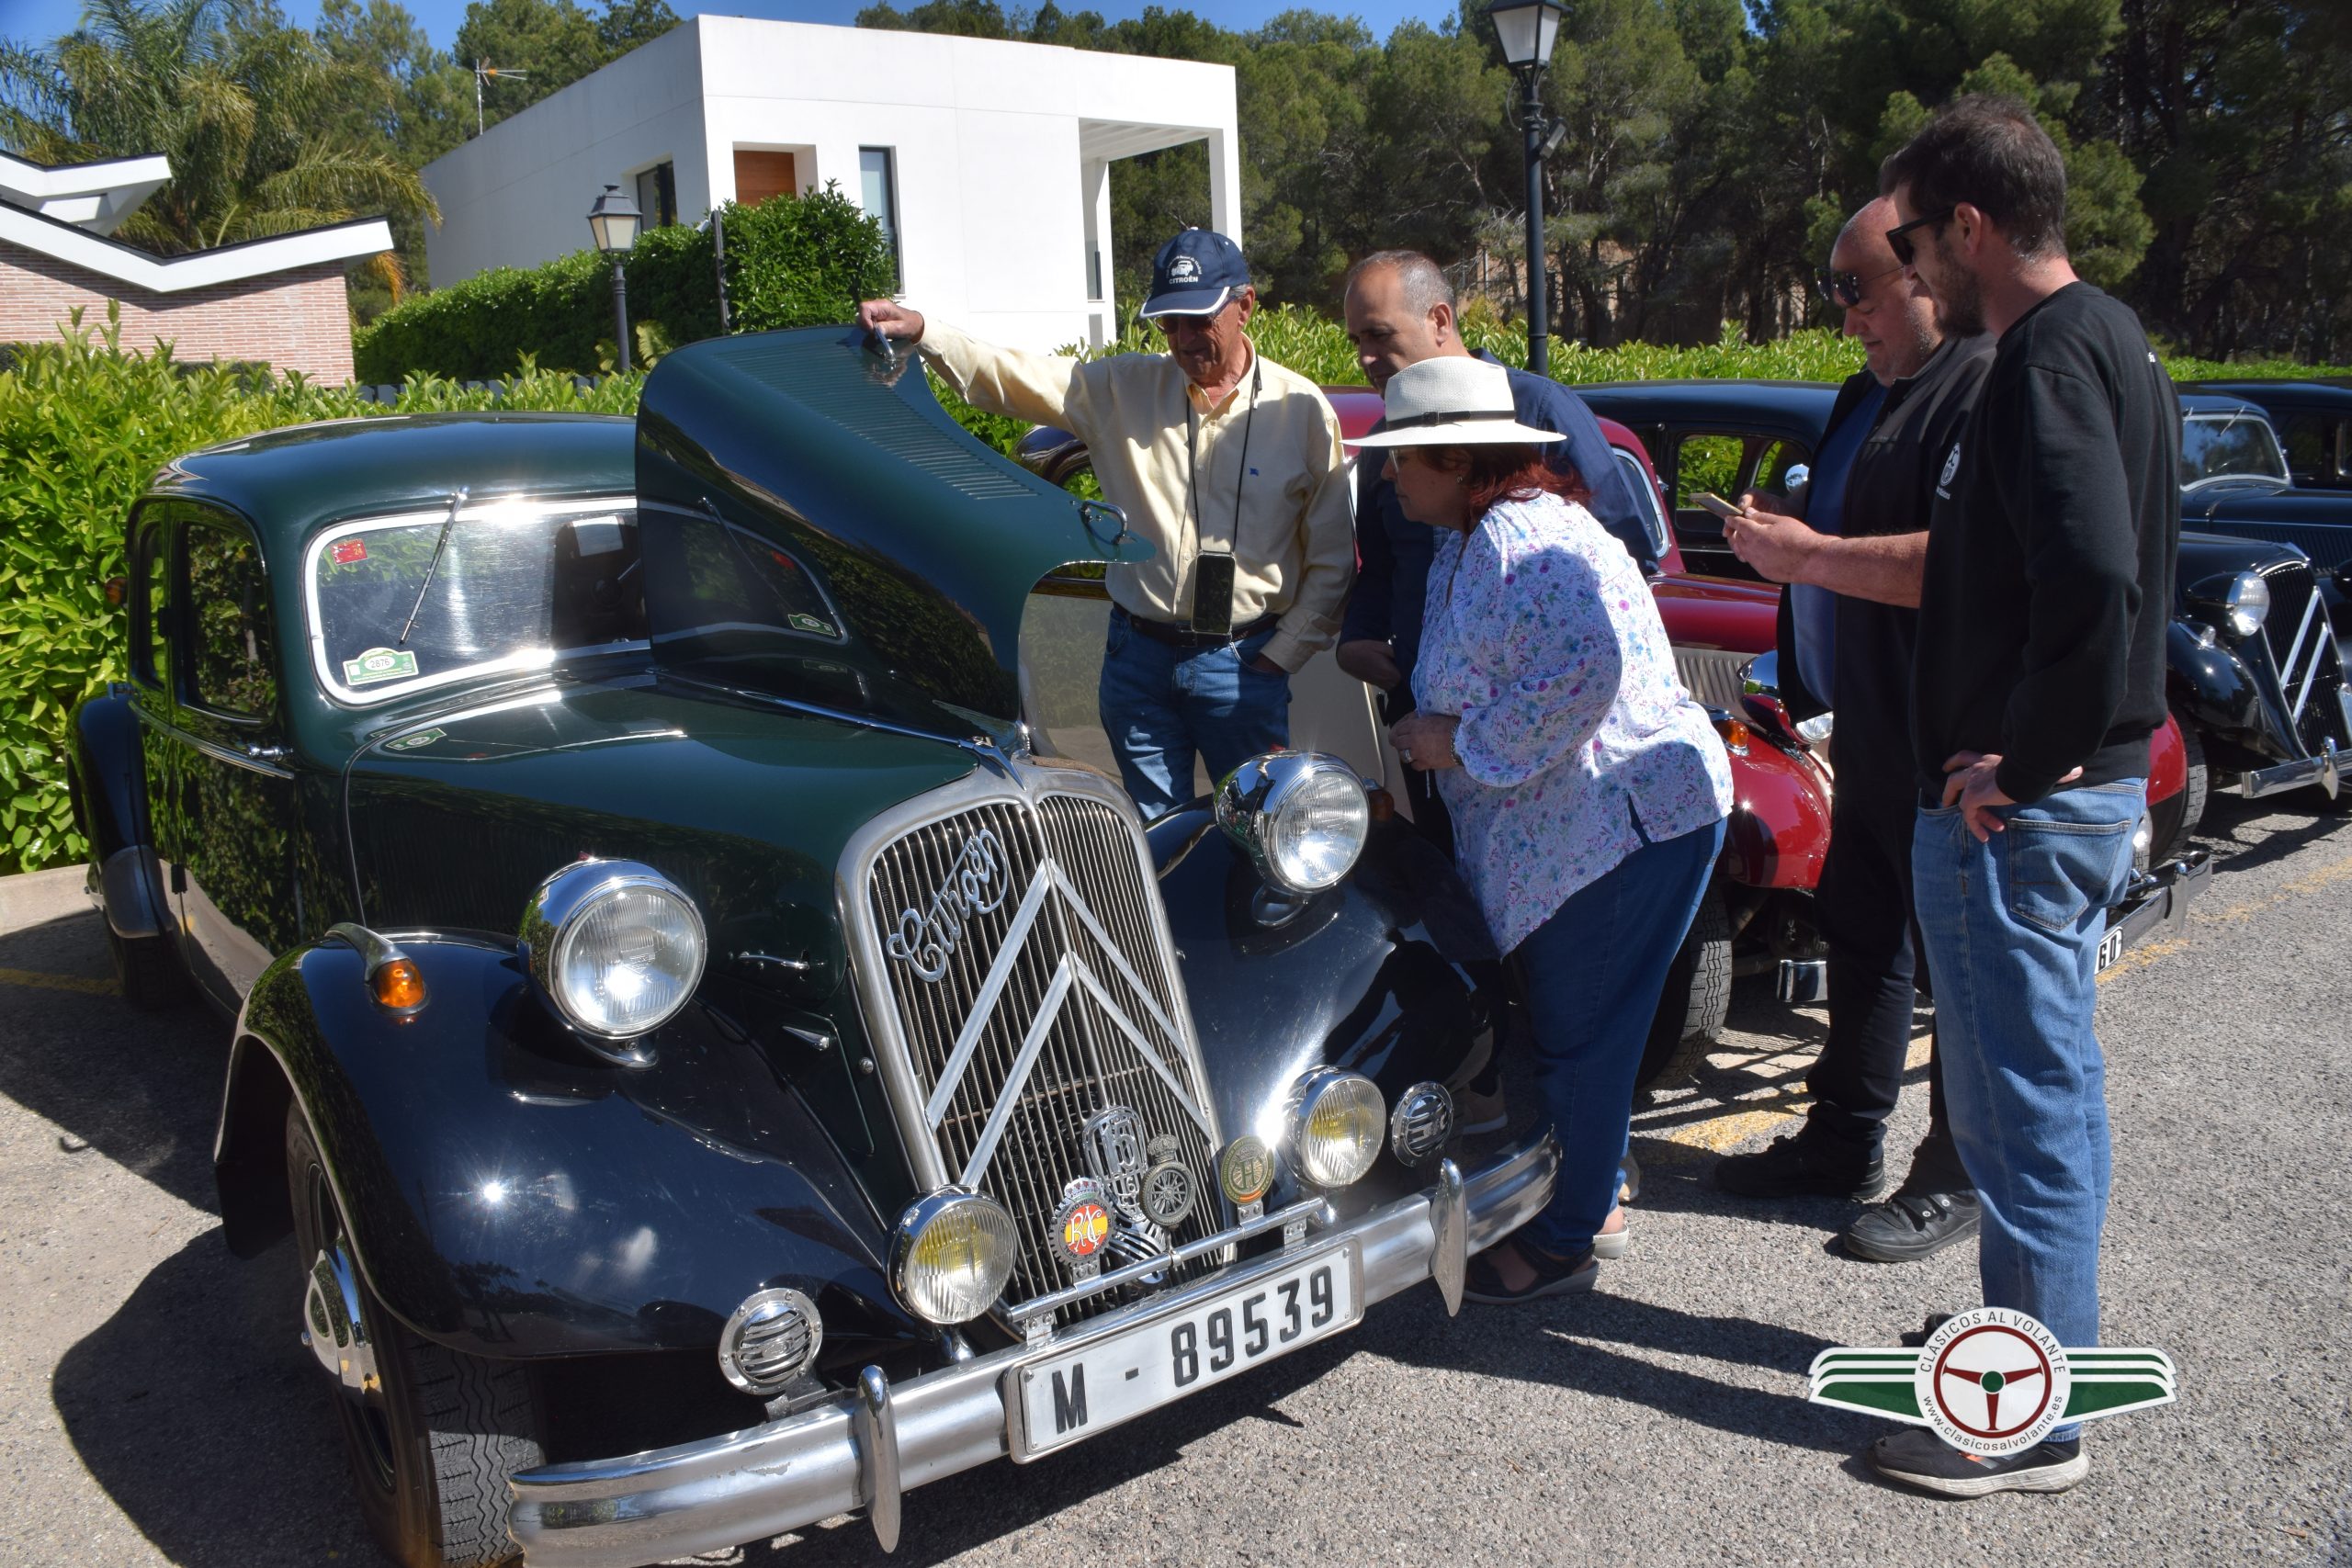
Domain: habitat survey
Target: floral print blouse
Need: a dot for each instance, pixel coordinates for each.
(1542, 638)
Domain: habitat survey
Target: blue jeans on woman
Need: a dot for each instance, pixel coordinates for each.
(2011, 929)
(1594, 972)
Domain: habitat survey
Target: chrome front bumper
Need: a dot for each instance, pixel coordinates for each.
(863, 1450)
(2157, 899)
(2325, 769)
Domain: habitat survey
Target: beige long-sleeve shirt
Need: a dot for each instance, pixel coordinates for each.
(1294, 544)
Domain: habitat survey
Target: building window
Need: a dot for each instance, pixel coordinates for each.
(657, 194)
(878, 189)
(762, 176)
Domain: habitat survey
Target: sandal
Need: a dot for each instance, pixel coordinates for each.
(1554, 1276)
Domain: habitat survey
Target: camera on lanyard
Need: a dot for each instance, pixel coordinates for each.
(1212, 571)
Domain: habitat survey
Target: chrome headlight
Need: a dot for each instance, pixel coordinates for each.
(617, 947)
(951, 1255)
(2248, 603)
(1337, 1121)
(1301, 817)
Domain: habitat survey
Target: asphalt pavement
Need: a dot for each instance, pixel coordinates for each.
(155, 1407)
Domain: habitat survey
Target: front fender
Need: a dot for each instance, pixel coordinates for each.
(511, 1195)
(110, 806)
(1391, 975)
(1778, 829)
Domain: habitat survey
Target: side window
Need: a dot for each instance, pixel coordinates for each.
(232, 665)
(1709, 463)
(151, 616)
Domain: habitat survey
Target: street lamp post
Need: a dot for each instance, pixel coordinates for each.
(1527, 30)
(615, 221)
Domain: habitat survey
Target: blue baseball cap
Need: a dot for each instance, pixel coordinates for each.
(1195, 274)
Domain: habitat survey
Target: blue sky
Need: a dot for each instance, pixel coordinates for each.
(40, 20)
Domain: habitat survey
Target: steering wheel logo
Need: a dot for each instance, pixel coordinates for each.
(1993, 1382)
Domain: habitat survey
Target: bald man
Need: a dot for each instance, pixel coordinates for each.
(1852, 547)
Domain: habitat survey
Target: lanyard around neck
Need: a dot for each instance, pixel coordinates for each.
(1192, 458)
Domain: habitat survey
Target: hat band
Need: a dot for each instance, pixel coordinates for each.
(1416, 421)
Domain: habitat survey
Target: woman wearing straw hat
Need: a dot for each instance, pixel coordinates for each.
(1588, 789)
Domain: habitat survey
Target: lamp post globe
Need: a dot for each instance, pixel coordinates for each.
(1527, 30)
(615, 221)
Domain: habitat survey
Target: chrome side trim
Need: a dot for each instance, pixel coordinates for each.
(1450, 1246)
(703, 1496)
(875, 1428)
(252, 759)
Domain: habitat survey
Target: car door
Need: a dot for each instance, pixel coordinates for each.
(228, 834)
(1725, 463)
(154, 567)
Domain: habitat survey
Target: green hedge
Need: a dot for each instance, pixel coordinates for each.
(791, 262)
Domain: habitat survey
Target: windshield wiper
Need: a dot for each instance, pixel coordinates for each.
(456, 499)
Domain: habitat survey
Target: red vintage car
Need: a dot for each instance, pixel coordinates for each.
(1758, 915)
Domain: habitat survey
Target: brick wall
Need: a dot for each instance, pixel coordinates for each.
(298, 320)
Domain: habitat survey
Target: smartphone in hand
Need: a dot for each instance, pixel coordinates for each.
(1717, 505)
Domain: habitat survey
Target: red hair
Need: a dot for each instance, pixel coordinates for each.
(1497, 471)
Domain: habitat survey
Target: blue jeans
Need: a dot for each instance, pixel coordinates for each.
(1594, 971)
(2011, 929)
(1163, 705)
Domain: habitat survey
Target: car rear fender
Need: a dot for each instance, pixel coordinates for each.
(512, 1194)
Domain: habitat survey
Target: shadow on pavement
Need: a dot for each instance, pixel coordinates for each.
(141, 1088)
(2225, 815)
(195, 1407)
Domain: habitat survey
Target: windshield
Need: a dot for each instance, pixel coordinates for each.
(519, 585)
(2229, 446)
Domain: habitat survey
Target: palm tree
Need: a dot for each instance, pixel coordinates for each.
(240, 110)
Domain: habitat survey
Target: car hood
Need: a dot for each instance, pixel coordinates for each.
(2263, 502)
(747, 805)
(926, 541)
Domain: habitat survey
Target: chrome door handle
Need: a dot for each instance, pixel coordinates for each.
(271, 753)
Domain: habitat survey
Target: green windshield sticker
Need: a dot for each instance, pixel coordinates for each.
(416, 742)
(378, 664)
(811, 623)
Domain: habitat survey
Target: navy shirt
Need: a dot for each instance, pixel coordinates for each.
(1825, 511)
(1393, 579)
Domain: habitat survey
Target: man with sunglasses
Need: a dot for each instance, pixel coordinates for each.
(2039, 680)
(1852, 549)
(1230, 466)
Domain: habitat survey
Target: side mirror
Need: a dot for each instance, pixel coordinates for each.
(1759, 693)
(1796, 477)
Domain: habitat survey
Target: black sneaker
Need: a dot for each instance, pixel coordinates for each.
(1912, 1226)
(1554, 1276)
(1804, 1166)
(1916, 1457)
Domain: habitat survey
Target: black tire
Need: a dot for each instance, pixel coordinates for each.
(148, 971)
(2171, 836)
(432, 1450)
(1696, 999)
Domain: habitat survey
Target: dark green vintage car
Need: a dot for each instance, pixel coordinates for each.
(721, 1062)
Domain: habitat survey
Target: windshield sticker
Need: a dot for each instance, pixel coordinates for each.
(811, 623)
(416, 742)
(346, 551)
(378, 664)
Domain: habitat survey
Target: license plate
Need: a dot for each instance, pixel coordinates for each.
(2111, 947)
(1063, 1398)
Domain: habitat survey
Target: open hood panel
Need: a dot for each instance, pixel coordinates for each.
(922, 543)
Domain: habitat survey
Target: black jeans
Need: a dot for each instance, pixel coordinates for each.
(1865, 915)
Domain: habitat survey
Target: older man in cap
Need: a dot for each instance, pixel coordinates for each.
(1231, 467)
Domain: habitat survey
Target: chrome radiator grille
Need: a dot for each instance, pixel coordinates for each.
(1711, 675)
(2301, 645)
(1025, 983)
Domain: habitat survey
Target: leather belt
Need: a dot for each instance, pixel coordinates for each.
(1185, 637)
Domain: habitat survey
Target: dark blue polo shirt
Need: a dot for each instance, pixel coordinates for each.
(1393, 578)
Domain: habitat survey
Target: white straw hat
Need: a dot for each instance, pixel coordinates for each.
(1451, 400)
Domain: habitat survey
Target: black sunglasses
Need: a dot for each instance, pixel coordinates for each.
(1899, 239)
(1846, 288)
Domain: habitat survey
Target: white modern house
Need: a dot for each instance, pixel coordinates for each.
(987, 161)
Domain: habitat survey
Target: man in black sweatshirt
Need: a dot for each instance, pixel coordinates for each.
(2038, 680)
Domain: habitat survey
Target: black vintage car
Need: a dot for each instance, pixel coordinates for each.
(720, 1070)
(2256, 683)
(2236, 479)
(2313, 420)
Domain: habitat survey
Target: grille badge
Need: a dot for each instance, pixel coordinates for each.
(1082, 1228)
(1116, 1149)
(927, 937)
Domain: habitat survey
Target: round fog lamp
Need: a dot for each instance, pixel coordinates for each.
(1301, 817)
(951, 1255)
(617, 946)
(2248, 602)
(1336, 1122)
